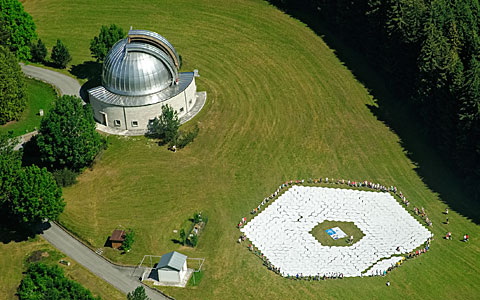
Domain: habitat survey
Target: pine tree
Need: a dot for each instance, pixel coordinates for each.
(469, 120)
(101, 44)
(138, 294)
(38, 51)
(165, 127)
(60, 55)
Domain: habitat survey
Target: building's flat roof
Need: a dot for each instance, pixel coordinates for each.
(108, 97)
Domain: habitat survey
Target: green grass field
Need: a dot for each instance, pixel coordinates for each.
(39, 96)
(349, 228)
(280, 106)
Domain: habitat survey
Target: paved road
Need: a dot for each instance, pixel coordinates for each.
(119, 277)
(66, 85)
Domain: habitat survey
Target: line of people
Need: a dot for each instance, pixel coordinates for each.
(351, 183)
(423, 215)
(317, 277)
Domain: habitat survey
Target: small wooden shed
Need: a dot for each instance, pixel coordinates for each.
(117, 238)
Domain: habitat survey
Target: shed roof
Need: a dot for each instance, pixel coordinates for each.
(118, 235)
(172, 260)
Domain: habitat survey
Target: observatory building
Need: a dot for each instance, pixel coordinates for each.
(139, 76)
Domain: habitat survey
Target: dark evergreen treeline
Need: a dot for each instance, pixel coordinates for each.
(429, 49)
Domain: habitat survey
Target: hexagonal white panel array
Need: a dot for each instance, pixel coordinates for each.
(281, 231)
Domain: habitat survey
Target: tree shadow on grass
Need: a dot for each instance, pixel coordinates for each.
(437, 172)
(175, 241)
(11, 231)
(51, 65)
(90, 70)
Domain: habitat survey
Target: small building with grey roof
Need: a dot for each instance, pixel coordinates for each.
(172, 268)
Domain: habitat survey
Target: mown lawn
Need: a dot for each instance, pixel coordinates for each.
(39, 96)
(280, 106)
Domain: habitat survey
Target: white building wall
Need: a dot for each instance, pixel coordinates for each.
(168, 276)
(183, 271)
(112, 112)
(190, 94)
(128, 115)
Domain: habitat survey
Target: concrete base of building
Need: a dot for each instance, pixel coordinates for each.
(183, 283)
(201, 98)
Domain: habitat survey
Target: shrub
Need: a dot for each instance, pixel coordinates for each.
(184, 139)
(129, 240)
(182, 236)
(194, 240)
(197, 218)
(65, 177)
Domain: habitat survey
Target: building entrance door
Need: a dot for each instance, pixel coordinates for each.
(104, 119)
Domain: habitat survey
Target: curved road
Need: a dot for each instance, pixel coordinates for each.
(119, 277)
(66, 85)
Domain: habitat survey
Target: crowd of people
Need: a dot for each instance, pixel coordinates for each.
(389, 269)
(410, 255)
(358, 184)
(423, 215)
(420, 251)
(317, 277)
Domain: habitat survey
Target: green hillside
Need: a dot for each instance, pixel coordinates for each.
(280, 106)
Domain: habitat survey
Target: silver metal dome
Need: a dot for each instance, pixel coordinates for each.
(136, 67)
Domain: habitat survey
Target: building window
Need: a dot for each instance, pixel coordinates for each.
(181, 109)
(134, 123)
(117, 123)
